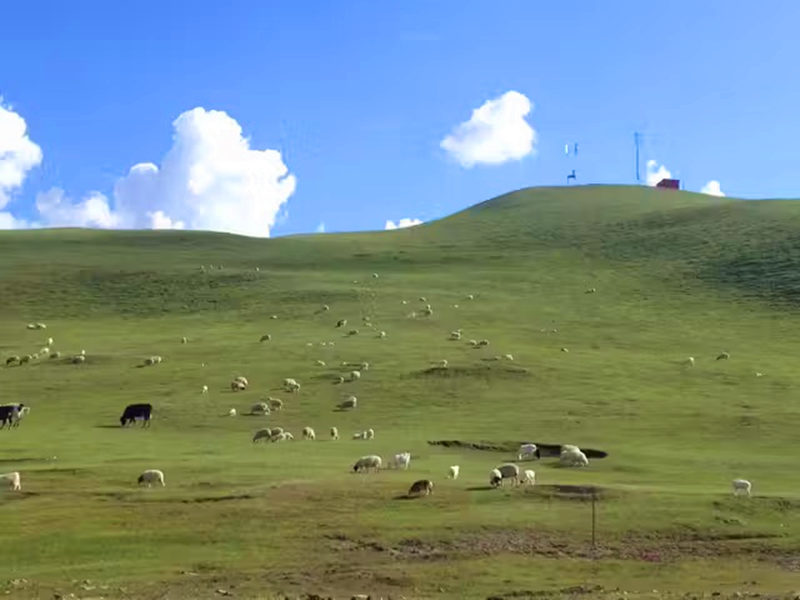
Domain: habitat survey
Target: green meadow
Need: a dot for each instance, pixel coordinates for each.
(676, 275)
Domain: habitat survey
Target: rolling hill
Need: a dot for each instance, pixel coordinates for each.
(676, 274)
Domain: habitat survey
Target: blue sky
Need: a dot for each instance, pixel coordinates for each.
(358, 96)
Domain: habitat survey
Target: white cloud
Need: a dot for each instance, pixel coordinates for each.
(56, 210)
(320, 228)
(402, 223)
(712, 188)
(495, 133)
(210, 179)
(9, 221)
(656, 172)
(18, 154)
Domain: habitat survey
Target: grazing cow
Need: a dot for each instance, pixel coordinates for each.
(8, 413)
(136, 411)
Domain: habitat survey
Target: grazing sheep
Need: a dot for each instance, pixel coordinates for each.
(309, 434)
(262, 434)
(442, 364)
(44, 351)
(28, 358)
(741, 486)
(571, 456)
(483, 343)
(334, 433)
(290, 385)
(238, 386)
(281, 437)
(360, 435)
(151, 476)
(375, 275)
(31, 326)
(473, 343)
(565, 349)
(427, 311)
(55, 355)
(355, 375)
(49, 341)
(273, 317)
(455, 335)
(470, 297)
(351, 402)
(689, 361)
(423, 299)
(80, 358)
(204, 390)
(41, 326)
(403, 301)
(325, 308)
(319, 363)
(423, 487)
(503, 472)
(528, 477)
(353, 332)
(35, 355)
(401, 460)
(13, 480)
(758, 374)
(275, 403)
(341, 322)
(184, 340)
(723, 356)
(527, 451)
(370, 434)
(265, 338)
(508, 356)
(260, 408)
(339, 379)
(152, 360)
(381, 334)
(591, 290)
(455, 305)
(452, 472)
(11, 360)
(367, 463)
(276, 430)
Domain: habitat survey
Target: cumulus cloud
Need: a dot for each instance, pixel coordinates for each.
(209, 179)
(402, 223)
(9, 221)
(56, 210)
(497, 132)
(656, 172)
(712, 188)
(18, 154)
(320, 228)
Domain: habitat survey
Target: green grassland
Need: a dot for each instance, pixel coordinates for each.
(677, 275)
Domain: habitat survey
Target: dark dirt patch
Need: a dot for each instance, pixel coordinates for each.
(484, 371)
(546, 450)
(218, 498)
(657, 547)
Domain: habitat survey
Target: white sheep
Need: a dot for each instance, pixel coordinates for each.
(339, 379)
(689, 361)
(529, 477)
(232, 412)
(262, 434)
(401, 460)
(238, 386)
(290, 385)
(453, 471)
(13, 481)
(350, 402)
(355, 375)
(442, 364)
(260, 408)
(403, 301)
(364, 366)
(473, 343)
(319, 363)
(508, 356)
(341, 322)
(150, 477)
(483, 343)
(184, 340)
(370, 434)
(76, 360)
(309, 434)
(381, 334)
(527, 451)
(470, 297)
(423, 299)
(503, 472)
(275, 403)
(723, 356)
(367, 463)
(375, 275)
(204, 389)
(352, 332)
(273, 317)
(49, 341)
(573, 457)
(427, 311)
(591, 290)
(741, 486)
(455, 335)
(360, 435)
(265, 338)
(334, 433)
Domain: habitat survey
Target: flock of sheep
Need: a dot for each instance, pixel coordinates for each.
(569, 456)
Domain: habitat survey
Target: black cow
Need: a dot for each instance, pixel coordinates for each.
(136, 411)
(7, 412)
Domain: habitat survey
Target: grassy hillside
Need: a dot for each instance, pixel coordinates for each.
(676, 274)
